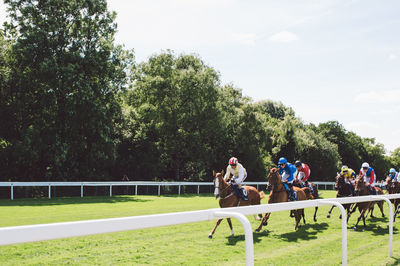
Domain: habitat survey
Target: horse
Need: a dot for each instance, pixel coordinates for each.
(343, 190)
(279, 194)
(361, 189)
(314, 194)
(393, 188)
(228, 198)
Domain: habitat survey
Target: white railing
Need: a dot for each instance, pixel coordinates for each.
(28, 233)
(135, 184)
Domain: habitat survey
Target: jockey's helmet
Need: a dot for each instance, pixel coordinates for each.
(233, 161)
(365, 165)
(298, 163)
(392, 171)
(282, 160)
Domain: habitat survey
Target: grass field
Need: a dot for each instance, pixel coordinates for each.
(316, 243)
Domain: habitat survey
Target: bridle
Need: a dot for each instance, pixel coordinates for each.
(340, 184)
(217, 189)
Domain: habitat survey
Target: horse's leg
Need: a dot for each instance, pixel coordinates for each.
(215, 227)
(315, 214)
(380, 205)
(354, 208)
(257, 217)
(230, 225)
(371, 208)
(263, 222)
(304, 217)
(359, 218)
(297, 214)
(330, 211)
(395, 212)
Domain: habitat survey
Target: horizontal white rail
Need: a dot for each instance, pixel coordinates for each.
(136, 184)
(28, 233)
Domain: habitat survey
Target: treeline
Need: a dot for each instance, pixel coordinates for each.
(76, 106)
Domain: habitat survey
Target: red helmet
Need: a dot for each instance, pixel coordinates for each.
(233, 161)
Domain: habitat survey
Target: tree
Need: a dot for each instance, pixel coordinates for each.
(65, 80)
(174, 110)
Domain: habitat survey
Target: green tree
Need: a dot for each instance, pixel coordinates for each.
(174, 110)
(65, 80)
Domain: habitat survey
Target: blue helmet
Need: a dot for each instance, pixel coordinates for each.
(392, 171)
(282, 160)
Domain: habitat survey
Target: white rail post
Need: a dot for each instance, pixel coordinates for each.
(136, 189)
(390, 223)
(49, 191)
(344, 228)
(81, 190)
(12, 192)
(248, 233)
(158, 190)
(198, 189)
(110, 190)
(179, 189)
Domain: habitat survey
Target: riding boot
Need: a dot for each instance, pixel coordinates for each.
(288, 190)
(244, 194)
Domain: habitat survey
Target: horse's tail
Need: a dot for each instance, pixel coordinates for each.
(262, 194)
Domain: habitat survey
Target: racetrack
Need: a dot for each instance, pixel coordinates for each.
(278, 244)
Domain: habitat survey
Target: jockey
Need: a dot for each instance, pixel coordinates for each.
(349, 175)
(288, 172)
(369, 177)
(394, 175)
(303, 173)
(239, 174)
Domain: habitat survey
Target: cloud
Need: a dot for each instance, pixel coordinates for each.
(283, 36)
(388, 96)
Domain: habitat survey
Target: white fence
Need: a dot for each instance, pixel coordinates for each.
(21, 234)
(135, 184)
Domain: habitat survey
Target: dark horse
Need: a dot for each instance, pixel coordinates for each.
(393, 188)
(227, 197)
(361, 189)
(343, 190)
(279, 194)
(314, 194)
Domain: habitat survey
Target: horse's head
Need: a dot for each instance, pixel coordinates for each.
(218, 181)
(273, 177)
(359, 185)
(340, 182)
(389, 183)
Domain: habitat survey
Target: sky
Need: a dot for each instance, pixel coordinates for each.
(327, 59)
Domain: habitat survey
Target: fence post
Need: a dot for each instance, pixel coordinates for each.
(12, 192)
(81, 190)
(198, 189)
(344, 228)
(49, 191)
(158, 190)
(179, 189)
(390, 224)
(248, 233)
(110, 190)
(136, 189)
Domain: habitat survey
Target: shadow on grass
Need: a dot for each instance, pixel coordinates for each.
(395, 262)
(257, 237)
(303, 232)
(75, 200)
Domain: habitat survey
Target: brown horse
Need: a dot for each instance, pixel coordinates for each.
(307, 190)
(279, 194)
(393, 188)
(361, 189)
(228, 198)
(343, 190)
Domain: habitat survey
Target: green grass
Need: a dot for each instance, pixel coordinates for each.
(316, 243)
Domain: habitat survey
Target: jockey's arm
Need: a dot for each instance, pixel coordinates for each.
(228, 173)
